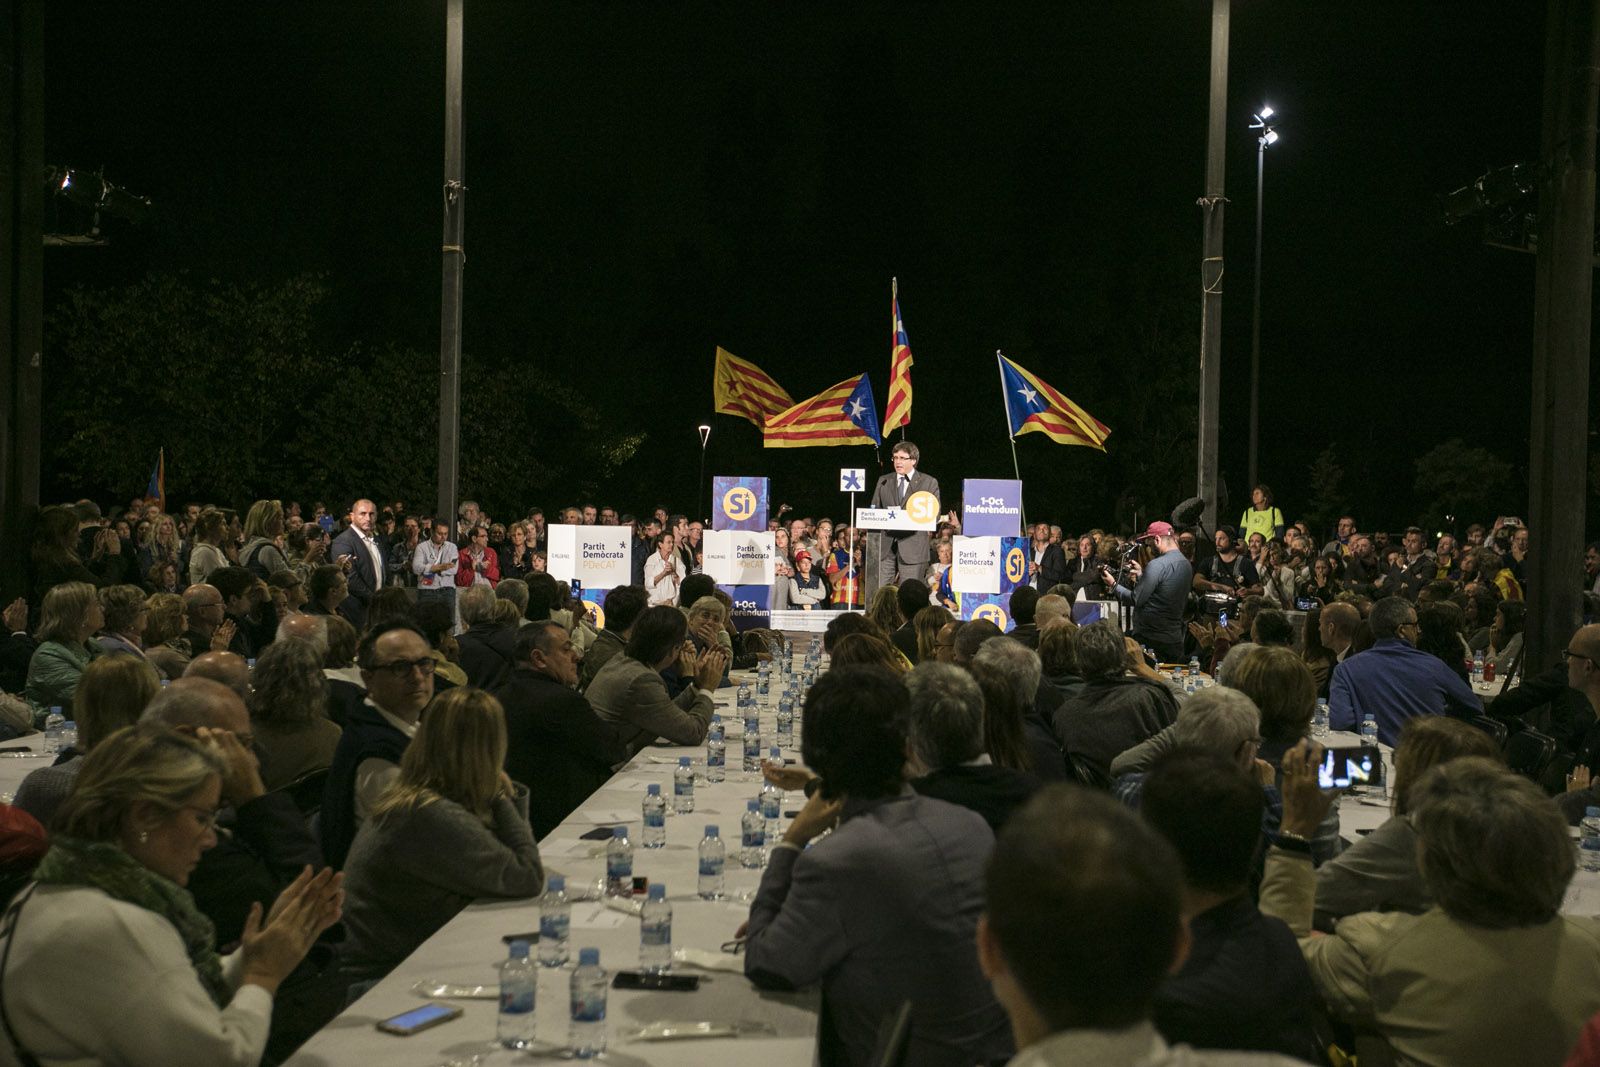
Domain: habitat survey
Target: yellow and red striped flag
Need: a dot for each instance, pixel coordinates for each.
(897, 412)
(1032, 404)
(741, 388)
(843, 415)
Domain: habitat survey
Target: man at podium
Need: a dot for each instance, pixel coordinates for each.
(902, 554)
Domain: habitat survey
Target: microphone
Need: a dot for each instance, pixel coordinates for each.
(1188, 513)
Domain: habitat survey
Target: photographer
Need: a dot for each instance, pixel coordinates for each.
(1160, 594)
(1229, 571)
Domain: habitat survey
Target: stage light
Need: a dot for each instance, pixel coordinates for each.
(1266, 112)
(1271, 136)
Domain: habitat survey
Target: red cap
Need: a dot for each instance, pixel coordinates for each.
(1156, 529)
(800, 555)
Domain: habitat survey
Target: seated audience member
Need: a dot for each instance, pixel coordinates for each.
(1082, 927)
(884, 909)
(390, 602)
(555, 744)
(288, 705)
(1339, 624)
(708, 624)
(1505, 636)
(1394, 680)
(1219, 720)
(515, 591)
(125, 612)
(1053, 609)
(248, 603)
(23, 843)
(1493, 973)
(16, 646)
(1016, 733)
(207, 619)
(68, 620)
(910, 597)
(266, 843)
(927, 623)
(971, 636)
(1440, 627)
(949, 750)
(487, 643)
(452, 799)
(112, 694)
(884, 609)
(1024, 602)
(1112, 712)
(110, 960)
(622, 607)
(226, 668)
(865, 649)
(397, 666)
(163, 634)
(1244, 984)
(1058, 659)
(327, 588)
(436, 619)
(630, 695)
(1379, 872)
(288, 592)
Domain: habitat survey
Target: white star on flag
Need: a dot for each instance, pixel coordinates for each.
(856, 408)
(1028, 395)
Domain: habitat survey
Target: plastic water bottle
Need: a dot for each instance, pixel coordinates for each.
(654, 832)
(619, 864)
(716, 751)
(752, 740)
(786, 720)
(1369, 730)
(555, 922)
(713, 860)
(1477, 667)
(519, 984)
(69, 735)
(683, 787)
(1589, 840)
(747, 697)
(588, 1034)
(1319, 720)
(763, 686)
(655, 932)
(772, 804)
(53, 722)
(752, 836)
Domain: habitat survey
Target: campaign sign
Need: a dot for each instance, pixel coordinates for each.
(739, 557)
(995, 607)
(739, 503)
(1015, 552)
(975, 564)
(752, 606)
(991, 507)
(598, 556)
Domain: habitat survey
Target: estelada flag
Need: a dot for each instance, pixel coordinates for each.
(741, 388)
(1032, 404)
(897, 412)
(842, 415)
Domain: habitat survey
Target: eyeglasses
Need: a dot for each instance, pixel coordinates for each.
(403, 667)
(1568, 654)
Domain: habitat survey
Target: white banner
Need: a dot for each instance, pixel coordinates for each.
(920, 513)
(739, 557)
(975, 564)
(598, 556)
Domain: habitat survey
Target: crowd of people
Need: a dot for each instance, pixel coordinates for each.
(1052, 850)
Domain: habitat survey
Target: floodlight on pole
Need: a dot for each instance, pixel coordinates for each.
(1268, 136)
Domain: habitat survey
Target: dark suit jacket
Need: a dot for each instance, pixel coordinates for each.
(910, 546)
(362, 579)
(267, 847)
(993, 792)
(905, 639)
(1052, 568)
(556, 746)
(486, 654)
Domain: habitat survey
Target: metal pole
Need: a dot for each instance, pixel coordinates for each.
(1211, 267)
(454, 254)
(1005, 405)
(1563, 280)
(1255, 319)
(850, 560)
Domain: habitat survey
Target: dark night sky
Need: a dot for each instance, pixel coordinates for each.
(649, 181)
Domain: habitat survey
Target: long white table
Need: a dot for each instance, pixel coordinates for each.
(15, 766)
(776, 1030)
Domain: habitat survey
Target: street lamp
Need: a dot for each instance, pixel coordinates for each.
(1267, 136)
(705, 436)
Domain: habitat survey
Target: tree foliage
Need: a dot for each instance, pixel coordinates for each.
(1454, 479)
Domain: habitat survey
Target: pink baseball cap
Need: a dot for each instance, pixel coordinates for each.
(1156, 529)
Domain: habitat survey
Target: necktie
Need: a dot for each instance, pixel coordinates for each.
(905, 487)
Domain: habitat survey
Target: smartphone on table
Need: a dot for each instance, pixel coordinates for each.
(419, 1019)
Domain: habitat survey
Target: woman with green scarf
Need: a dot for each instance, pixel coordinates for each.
(106, 960)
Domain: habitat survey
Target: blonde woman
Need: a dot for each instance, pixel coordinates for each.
(69, 617)
(161, 544)
(263, 539)
(452, 799)
(164, 627)
(109, 960)
(885, 609)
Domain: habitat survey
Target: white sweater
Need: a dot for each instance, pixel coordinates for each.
(94, 980)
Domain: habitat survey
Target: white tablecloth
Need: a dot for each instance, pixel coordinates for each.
(781, 1028)
(14, 767)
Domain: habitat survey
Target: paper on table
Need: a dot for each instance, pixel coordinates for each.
(1581, 900)
(708, 961)
(599, 817)
(594, 915)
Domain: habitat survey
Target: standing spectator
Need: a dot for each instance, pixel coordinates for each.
(1161, 594)
(478, 564)
(249, 606)
(1262, 517)
(160, 545)
(262, 554)
(327, 591)
(402, 550)
(107, 560)
(435, 562)
(163, 578)
(69, 617)
(55, 552)
(356, 551)
(517, 559)
(663, 572)
(210, 530)
(807, 590)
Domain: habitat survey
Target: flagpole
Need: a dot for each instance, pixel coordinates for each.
(1005, 406)
(894, 334)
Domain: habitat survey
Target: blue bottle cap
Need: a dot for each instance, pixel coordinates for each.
(752, 805)
(683, 761)
(556, 883)
(777, 753)
(712, 830)
(588, 957)
(619, 831)
(654, 789)
(519, 950)
(658, 891)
